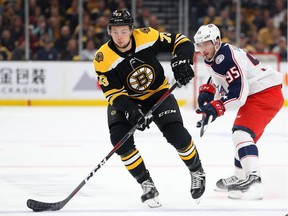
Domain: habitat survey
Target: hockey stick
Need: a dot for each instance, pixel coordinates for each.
(39, 206)
(203, 126)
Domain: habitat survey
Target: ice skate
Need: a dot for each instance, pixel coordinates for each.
(222, 184)
(249, 188)
(198, 183)
(150, 194)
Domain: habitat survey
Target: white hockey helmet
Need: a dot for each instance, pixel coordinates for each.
(207, 33)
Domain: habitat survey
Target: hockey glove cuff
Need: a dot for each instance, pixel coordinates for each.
(206, 94)
(182, 69)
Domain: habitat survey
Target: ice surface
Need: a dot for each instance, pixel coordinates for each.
(45, 152)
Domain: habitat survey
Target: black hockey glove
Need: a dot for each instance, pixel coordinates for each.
(136, 116)
(206, 94)
(182, 69)
(215, 108)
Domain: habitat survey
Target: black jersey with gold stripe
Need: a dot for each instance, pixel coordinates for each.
(137, 74)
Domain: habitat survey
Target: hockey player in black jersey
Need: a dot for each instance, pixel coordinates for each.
(132, 80)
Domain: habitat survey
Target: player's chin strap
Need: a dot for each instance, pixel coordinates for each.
(43, 206)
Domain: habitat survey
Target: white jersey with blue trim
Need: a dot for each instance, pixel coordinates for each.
(237, 74)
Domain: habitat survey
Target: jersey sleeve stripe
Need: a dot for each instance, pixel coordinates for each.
(114, 96)
(111, 95)
(179, 40)
(144, 46)
(113, 91)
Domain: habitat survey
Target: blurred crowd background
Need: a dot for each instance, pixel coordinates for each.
(54, 25)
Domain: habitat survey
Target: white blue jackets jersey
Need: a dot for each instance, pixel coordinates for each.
(237, 74)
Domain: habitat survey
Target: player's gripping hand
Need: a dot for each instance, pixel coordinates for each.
(136, 116)
(206, 94)
(215, 108)
(182, 69)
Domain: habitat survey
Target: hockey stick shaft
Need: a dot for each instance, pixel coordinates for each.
(204, 127)
(43, 206)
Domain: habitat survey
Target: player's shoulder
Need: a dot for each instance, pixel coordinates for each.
(104, 58)
(224, 54)
(231, 50)
(145, 35)
(225, 49)
(223, 59)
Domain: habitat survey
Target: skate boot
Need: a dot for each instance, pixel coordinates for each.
(222, 184)
(249, 188)
(198, 183)
(150, 194)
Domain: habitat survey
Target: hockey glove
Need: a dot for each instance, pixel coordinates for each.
(136, 116)
(182, 69)
(206, 94)
(215, 108)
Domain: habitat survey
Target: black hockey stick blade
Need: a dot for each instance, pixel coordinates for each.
(42, 206)
(39, 206)
(203, 126)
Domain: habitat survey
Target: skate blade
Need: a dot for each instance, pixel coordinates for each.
(154, 202)
(220, 190)
(235, 194)
(198, 200)
(255, 192)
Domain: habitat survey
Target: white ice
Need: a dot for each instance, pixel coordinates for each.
(45, 152)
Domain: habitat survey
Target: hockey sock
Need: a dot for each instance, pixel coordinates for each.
(135, 165)
(247, 151)
(190, 157)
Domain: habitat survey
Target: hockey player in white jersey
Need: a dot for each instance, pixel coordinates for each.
(245, 84)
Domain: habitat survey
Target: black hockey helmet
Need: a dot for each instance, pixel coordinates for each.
(120, 18)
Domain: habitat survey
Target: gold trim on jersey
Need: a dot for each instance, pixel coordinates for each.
(106, 59)
(149, 93)
(112, 94)
(150, 37)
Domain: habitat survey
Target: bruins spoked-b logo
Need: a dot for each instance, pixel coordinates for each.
(99, 57)
(141, 78)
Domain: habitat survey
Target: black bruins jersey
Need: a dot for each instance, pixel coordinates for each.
(137, 74)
